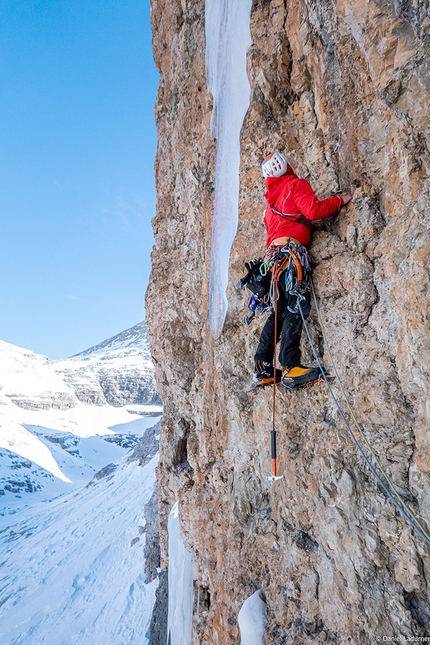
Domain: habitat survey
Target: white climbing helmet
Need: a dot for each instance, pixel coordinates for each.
(274, 165)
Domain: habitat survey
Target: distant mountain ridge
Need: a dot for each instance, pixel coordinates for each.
(55, 422)
(118, 371)
(134, 338)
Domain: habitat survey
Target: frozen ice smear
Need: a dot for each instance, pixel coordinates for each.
(252, 620)
(227, 41)
(180, 606)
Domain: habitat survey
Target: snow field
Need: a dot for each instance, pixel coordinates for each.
(72, 572)
(60, 450)
(72, 546)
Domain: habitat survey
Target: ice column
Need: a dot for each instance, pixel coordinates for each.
(180, 602)
(227, 41)
(252, 620)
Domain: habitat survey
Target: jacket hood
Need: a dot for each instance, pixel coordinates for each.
(274, 185)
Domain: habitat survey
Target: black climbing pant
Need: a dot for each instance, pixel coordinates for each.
(289, 328)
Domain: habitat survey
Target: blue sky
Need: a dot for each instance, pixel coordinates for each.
(77, 147)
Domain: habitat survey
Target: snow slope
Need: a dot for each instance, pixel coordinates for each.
(28, 380)
(45, 453)
(72, 572)
(73, 549)
(50, 442)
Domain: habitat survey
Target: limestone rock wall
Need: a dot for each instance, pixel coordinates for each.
(343, 88)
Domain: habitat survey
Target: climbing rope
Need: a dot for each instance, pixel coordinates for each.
(407, 513)
(348, 403)
(274, 296)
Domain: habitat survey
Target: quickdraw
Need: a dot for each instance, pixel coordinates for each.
(292, 260)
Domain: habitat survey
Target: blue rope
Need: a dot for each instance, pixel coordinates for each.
(372, 469)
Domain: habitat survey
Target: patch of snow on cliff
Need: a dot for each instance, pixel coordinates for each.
(227, 41)
(252, 620)
(180, 604)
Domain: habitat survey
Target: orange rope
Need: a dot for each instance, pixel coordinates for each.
(275, 279)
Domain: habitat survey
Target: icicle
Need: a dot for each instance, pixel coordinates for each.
(252, 620)
(227, 41)
(180, 576)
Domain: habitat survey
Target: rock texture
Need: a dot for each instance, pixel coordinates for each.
(342, 87)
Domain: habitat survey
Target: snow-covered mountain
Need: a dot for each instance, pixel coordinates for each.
(52, 439)
(78, 507)
(135, 338)
(73, 571)
(28, 380)
(117, 371)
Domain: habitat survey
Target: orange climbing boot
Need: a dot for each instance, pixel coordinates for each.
(300, 376)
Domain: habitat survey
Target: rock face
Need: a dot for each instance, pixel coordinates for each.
(118, 371)
(342, 87)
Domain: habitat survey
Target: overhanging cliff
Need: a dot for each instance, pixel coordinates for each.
(342, 87)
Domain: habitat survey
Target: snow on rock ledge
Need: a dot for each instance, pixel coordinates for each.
(252, 620)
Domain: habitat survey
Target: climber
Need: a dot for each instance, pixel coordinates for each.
(291, 206)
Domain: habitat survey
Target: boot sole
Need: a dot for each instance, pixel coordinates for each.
(269, 380)
(297, 386)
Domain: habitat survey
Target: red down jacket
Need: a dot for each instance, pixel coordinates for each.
(290, 194)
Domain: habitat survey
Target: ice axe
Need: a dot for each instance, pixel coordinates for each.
(273, 477)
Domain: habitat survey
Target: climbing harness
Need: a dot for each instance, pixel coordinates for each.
(292, 260)
(389, 487)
